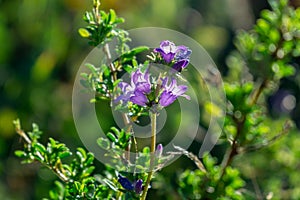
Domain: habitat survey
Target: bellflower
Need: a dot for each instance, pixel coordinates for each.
(167, 50)
(171, 92)
(177, 56)
(182, 58)
(183, 53)
(137, 90)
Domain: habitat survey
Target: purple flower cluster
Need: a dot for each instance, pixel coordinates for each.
(137, 186)
(177, 56)
(140, 91)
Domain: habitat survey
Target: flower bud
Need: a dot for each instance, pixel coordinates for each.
(159, 150)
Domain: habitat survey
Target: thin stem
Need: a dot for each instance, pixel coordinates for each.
(23, 135)
(257, 190)
(96, 10)
(233, 151)
(152, 158)
(258, 92)
(111, 65)
(114, 79)
(56, 170)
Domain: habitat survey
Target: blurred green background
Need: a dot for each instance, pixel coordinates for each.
(41, 51)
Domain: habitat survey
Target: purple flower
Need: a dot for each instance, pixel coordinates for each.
(137, 90)
(167, 50)
(139, 98)
(126, 184)
(140, 91)
(183, 53)
(179, 56)
(141, 81)
(127, 91)
(181, 64)
(171, 92)
(182, 58)
(137, 186)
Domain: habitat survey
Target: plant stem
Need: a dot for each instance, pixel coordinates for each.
(110, 64)
(152, 150)
(114, 79)
(23, 135)
(54, 169)
(258, 92)
(233, 151)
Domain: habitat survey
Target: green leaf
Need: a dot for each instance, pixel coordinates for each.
(84, 33)
(146, 150)
(128, 56)
(84, 83)
(52, 142)
(119, 20)
(139, 49)
(20, 154)
(110, 184)
(81, 154)
(91, 67)
(115, 131)
(103, 143)
(88, 17)
(112, 15)
(105, 69)
(88, 171)
(64, 154)
(40, 147)
(77, 186)
(90, 158)
(112, 137)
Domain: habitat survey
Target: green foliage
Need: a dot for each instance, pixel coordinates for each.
(238, 95)
(268, 52)
(274, 41)
(209, 183)
(98, 81)
(101, 26)
(116, 142)
(77, 177)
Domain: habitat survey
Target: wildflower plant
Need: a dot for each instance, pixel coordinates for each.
(267, 52)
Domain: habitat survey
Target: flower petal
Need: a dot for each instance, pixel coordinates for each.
(168, 57)
(171, 92)
(139, 98)
(143, 87)
(126, 184)
(178, 66)
(179, 90)
(166, 98)
(183, 53)
(126, 92)
(168, 46)
(138, 188)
